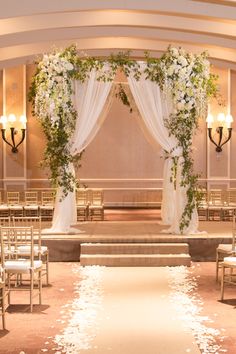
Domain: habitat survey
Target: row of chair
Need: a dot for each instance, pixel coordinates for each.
(89, 204)
(217, 204)
(29, 206)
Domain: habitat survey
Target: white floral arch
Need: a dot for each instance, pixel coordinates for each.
(69, 94)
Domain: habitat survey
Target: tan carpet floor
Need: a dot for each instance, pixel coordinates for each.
(136, 313)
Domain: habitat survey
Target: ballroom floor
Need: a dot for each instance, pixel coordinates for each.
(136, 295)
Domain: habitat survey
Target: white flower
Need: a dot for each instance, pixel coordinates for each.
(170, 70)
(182, 61)
(174, 51)
(69, 66)
(181, 105)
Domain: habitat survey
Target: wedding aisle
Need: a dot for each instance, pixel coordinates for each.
(99, 310)
(135, 311)
(136, 316)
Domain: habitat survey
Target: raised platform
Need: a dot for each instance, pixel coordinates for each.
(202, 246)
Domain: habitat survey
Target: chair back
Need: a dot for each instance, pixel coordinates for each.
(31, 198)
(13, 198)
(48, 197)
(216, 197)
(232, 197)
(97, 197)
(28, 221)
(12, 239)
(81, 197)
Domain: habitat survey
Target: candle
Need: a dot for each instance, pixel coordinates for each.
(3, 120)
(23, 120)
(228, 120)
(209, 120)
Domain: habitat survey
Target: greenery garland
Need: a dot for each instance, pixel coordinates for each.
(184, 75)
(187, 78)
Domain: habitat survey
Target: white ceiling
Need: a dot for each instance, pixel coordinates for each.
(99, 27)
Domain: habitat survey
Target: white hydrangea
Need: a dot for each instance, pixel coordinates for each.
(184, 81)
(53, 89)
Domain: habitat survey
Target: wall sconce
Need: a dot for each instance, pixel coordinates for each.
(223, 135)
(11, 119)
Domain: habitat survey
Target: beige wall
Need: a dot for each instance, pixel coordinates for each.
(36, 176)
(119, 159)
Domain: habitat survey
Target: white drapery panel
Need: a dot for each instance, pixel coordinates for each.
(89, 101)
(154, 108)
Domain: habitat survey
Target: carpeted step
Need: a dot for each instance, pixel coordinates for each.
(140, 260)
(134, 248)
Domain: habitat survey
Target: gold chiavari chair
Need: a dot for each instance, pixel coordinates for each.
(4, 208)
(3, 297)
(82, 204)
(14, 204)
(203, 206)
(96, 206)
(12, 239)
(40, 252)
(225, 250)
(215, 204)
(47, 205)
(31, 206)
(229, 263)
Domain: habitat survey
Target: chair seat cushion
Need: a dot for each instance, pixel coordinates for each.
(96, 207)
(31, 207)
(224, 248)
(26, 250)
(15, 207)
(47, 207)
(231, 261)
(21, 266)
(4, 207)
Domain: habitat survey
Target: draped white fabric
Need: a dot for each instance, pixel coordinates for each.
(154, 108)
(89, 101)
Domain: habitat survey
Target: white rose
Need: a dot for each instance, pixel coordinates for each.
(69, 66)
(174, 52)
(170, 70)
(177, 68)
(182, 61)
(182, 72)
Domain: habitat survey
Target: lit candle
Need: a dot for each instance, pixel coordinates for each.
(221, 117)
(11, 119)
(3, 120)
(23, 120)
(228, 120)
(209, 120)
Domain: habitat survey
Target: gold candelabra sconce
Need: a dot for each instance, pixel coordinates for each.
(222, 133)
(10, 122)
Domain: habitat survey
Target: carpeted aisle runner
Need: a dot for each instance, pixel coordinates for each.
(125, 311)
(137, 316)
